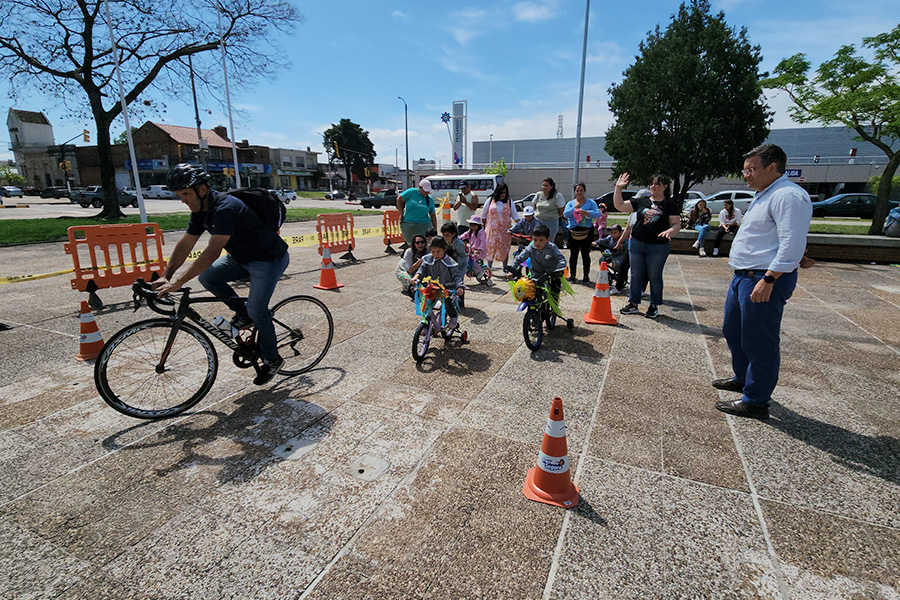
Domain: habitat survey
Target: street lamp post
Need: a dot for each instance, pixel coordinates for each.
(491, 151)
(406, 131)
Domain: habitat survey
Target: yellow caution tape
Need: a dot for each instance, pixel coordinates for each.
(306, 240)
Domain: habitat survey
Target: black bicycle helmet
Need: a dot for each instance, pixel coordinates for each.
(184, 175)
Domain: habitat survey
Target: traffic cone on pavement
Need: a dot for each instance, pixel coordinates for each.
(445, 210)
(549, 482)
(601, 311)
(327, 280)
(90, 339)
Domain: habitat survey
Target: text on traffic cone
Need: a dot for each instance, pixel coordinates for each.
(550, 481)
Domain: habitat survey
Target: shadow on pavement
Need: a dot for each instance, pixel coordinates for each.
(875, 455)
(454, 358)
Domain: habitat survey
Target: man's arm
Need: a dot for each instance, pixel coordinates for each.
(474, 204)
(792, 216)
(206, 258)
(179, 255)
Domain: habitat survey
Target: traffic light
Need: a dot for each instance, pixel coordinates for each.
(65, 165)
(337, 152)
(86, 135)
(68, 166)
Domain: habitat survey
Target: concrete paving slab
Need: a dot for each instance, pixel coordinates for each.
(826, 556)
(369, 477)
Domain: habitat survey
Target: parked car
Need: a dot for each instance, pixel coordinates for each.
(847, 205)
(285, 195)
(93, 196)
(56, 191)
(381, 198)
(30, 190)
(160, 192)
(716, 202)
(607, 199)
(526, 201)
(11, 191)
(334, 195)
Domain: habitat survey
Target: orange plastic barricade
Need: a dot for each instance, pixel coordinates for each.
(392, 233)
(337, 230)
(106, 256)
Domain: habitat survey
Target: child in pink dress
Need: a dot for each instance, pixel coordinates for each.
(476, 238)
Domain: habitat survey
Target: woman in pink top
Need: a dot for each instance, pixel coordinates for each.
(498, 215)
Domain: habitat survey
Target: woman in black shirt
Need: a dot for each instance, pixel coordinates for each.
(658, 220)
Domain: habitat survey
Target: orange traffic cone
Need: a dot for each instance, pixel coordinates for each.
(327, 280)
(601, 311)
(90, 339)
(549, 481)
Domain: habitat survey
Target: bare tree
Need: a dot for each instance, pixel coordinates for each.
(61, 49)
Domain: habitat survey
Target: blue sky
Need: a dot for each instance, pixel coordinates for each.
(517, 63)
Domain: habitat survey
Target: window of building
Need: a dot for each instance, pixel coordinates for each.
(286, 161)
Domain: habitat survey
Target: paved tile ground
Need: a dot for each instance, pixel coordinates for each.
(258, 493)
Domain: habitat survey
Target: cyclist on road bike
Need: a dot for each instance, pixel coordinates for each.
(254, 251)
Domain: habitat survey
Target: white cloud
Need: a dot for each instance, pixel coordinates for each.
(249, 107)
(533, 12)
(398, 14)
(604, 52)
(462, 25)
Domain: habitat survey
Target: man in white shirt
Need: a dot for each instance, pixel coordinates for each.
(765, 255)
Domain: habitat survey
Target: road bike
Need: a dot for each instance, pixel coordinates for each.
(431, 300)
(161, 367)
(540, 303)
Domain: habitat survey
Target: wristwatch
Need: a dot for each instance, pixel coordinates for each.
(768, 279)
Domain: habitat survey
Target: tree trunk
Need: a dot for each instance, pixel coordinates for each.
(111, 208)
(884, 195)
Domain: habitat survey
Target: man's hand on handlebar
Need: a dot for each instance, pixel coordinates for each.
(164, 286)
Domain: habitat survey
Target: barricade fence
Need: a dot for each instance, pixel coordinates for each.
(294, 241)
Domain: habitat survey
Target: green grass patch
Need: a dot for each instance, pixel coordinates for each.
(32, 231)
(834, 228)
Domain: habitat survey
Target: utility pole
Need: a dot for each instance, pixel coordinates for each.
(200, 140)
(587, 13)
(406, 130)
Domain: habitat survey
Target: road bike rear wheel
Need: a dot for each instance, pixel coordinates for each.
(129, 379)
(421, 340)
(304, 330)
(532, 330)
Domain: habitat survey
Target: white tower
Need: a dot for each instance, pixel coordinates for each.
(559, 129)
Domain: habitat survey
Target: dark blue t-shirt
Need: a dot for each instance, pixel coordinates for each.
(250, 239)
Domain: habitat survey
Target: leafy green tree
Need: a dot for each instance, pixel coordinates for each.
(10, 177)
(861, 94)
(498, 168)
(123, 137)
(348, 143)
(691, 105)
(62, 50)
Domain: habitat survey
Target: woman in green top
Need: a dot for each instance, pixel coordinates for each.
(548, 206)
(416, 211)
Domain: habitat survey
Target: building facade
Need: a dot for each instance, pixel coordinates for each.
(37, 156)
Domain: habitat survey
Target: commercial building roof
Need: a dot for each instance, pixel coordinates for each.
(188, 135)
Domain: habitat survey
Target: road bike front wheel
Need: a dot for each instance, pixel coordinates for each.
(421, 340)
(304, 330)
(532, 330)
(130, 379)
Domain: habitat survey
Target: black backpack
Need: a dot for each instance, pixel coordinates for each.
(265, 204)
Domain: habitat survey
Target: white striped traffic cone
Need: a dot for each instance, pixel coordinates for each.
(327, 280)
(90, 339)
(601, 311)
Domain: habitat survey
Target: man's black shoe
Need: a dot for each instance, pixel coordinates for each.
(267, 371)
(743, 409)
(728, 384)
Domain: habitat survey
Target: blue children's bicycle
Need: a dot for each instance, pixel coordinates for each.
(431, 299)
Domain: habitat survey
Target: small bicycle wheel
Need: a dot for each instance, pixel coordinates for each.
(532, 330)
(130, 380)
(303, 331)
(421, 340)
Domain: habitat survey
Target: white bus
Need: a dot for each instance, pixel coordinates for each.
(482, 184)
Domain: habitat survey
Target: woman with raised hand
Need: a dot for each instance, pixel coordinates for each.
(658, 220)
